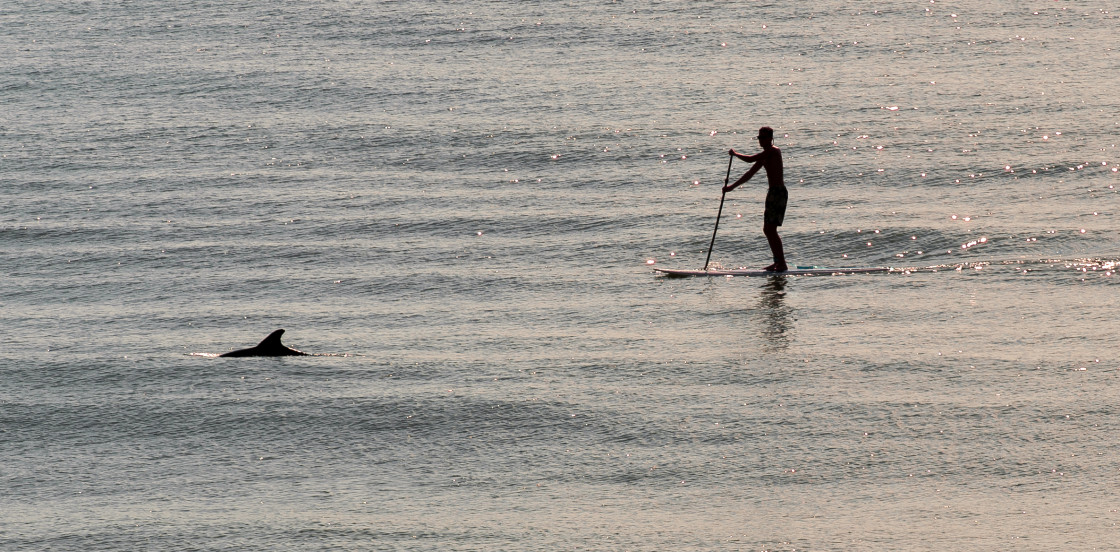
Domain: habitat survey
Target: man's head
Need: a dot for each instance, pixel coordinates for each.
(765, 135)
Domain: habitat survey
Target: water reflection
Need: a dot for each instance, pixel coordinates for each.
(774, 316)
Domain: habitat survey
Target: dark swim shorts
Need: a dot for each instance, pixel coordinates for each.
(776, 205)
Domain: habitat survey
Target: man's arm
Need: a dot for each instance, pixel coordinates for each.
(749, 158)
(745, 177)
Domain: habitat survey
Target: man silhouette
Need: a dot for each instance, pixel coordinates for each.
(769, 158)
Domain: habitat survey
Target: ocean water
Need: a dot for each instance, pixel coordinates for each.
(458, 205)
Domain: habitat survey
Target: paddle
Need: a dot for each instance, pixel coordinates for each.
(722, 195)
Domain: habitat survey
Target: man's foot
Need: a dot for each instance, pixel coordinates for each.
(777, 268)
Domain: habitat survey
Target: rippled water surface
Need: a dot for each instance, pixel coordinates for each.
(457, 206)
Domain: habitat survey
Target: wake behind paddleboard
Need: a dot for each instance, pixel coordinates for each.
(799, 271)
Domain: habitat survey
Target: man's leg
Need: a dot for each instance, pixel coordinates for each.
(771, 232)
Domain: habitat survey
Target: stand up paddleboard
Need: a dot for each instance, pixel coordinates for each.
(798, 271)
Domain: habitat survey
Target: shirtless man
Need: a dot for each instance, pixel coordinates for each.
(769, 158)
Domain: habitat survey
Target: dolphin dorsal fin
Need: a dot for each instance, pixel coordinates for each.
(273, 340)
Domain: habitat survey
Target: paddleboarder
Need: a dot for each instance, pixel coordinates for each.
(770, 158)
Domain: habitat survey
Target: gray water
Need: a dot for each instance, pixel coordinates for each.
(458, 205)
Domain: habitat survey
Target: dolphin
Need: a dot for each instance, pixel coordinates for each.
(270, 346)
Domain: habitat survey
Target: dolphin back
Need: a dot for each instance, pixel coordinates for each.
(269, 346)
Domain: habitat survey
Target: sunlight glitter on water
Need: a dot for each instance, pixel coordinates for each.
(519, 319)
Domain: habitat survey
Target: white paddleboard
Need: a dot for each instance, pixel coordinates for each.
(797, 271)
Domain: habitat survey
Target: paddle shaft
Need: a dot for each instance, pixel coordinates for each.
(719, 213)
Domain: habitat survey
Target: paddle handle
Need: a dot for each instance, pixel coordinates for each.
(719, 213)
